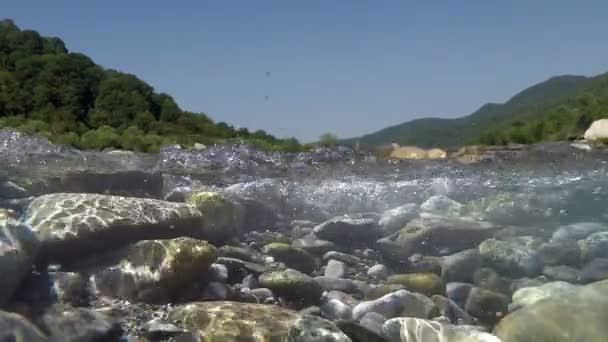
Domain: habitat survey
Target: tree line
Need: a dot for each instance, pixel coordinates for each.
(47, 90)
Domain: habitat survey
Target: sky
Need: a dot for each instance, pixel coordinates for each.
(305, 67)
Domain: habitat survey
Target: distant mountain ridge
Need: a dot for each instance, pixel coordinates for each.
(551, 110)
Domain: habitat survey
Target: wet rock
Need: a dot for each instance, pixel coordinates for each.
(14, 327)
(80, 324)
(216, 291)
(530, 295)
(157, 329)
(595, 270)
(250, 282)
(11, 190)
(342, 297)
(526, 282)
(419, 330)
(578, 231)
(359, 333)
(293, 257)
(442, 205)
(395, 304)
(458, 292)
(373, 321)
(347, 230)
(515, 256)
(594, 246)
(378, 272)
(426, 283)
(344, 285)
(292, 285)
(451, 310)
(563, 273)
(432, 235)
(419, 263)
(378, 291)
(46, 288)
(487, 278)
(559, 253)
(574, 316)
(343, 257)
(245, 254)
(335, 269)
(310, 328)
(487, 305)
(233, 321)
(236, 265)
(460, 267)
(394, 219)
(262, 294)
(313, 245)
(155, 270)
(18, 248)
(218, 272)
(334, 310)
(72, 226)
(514, 208)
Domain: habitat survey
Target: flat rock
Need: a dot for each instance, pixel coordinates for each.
(431, 235)
(293, 257)
(72, 226)
(345, 230)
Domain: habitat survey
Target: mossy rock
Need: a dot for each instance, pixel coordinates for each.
(218, 212)
(425, 283)
(296, 258)
(382, 290)
(292, 285)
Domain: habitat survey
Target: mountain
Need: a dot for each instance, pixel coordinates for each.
(47, 90)
(551, 110)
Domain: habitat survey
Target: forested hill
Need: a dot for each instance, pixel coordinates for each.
(558, 108)
(48, 90)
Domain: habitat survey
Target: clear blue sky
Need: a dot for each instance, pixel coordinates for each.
(345, 66)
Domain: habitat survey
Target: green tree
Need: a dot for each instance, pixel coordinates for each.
(328, 139)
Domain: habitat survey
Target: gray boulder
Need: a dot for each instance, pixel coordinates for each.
(335, 269)
(345, 230)
(394, 219)
(513, 256)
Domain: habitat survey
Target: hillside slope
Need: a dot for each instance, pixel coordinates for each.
(513, 121)
(47, 90)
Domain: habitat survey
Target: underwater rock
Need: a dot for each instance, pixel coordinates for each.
(361, 333)
(242, 253)
(334, 310)
(432, 235)
(345, 230)
(343, 257)
(573, 316)
(335, 269)
(44, 288)
(293, 257)
(442, 205)
(486, 305)
(530, 295)
(513, 256)
(460, 266)
(72, 226)
(409, 329)
(565, 252)
(69, 324)
(578, 231)
(595, 270)
(18, 249)
(487, 278)
(378, 272)
(594, 246)
(563, 273)
(155, 270)
(309, 328)
(14, 327)
(401, 302)
(344, 285)
(234, 321)
(292, 285)
(341, 296)
(426, 283)
(394, 219)
(216, 291)
(451, 310)
(313, 245)
(373, 321)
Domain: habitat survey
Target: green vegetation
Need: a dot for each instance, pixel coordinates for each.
(556, 109)
(328, 139)
(65, 96)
